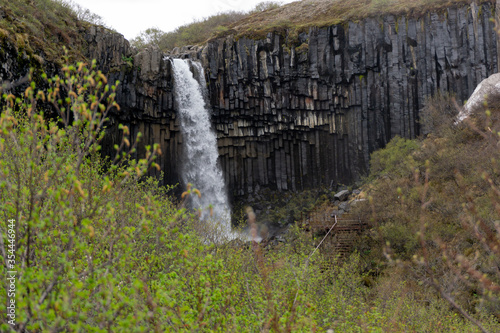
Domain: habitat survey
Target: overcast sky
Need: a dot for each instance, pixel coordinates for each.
(130, 17)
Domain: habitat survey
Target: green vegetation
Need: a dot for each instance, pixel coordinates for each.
(198, 31)
(288, 20)
(190, 34)
(283, 208)
(84, 14)
(100, 247)
(434, 209)
(299, 16)
(395, 160)
(38, 28)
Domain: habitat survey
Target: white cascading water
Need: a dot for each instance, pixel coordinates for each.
(200, 167)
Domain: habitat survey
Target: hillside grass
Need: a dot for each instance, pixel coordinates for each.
(40, 28)
(300, 15)
(196, 32)
(289, 20)
(189, 34)
(435, 207)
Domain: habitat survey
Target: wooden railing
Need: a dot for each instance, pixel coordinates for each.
(335, 234)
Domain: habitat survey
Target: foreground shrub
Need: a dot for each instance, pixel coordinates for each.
(434, 209)
(78, 226)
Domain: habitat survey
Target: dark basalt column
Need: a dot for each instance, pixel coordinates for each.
(290, 117)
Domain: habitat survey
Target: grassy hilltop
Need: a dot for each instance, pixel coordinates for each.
(289, 19)
(40, 28)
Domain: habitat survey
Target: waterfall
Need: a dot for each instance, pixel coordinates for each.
(200, 166)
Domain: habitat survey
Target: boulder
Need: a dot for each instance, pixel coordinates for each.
(338, 212)
(342, 195)
(345, 206)
(488, 88)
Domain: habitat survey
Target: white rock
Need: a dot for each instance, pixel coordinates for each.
(488, 87)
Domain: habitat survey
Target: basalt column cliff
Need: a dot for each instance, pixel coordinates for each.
(300, 117)
(293, 116)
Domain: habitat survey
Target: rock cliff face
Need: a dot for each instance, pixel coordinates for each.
(146, 99)
(294, 116)
(290, 117)
(309, 116)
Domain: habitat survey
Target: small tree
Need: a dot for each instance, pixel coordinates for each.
(70, 225)
(266, 5)
(148, 38)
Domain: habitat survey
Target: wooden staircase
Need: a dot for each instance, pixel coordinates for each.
(335, 234)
